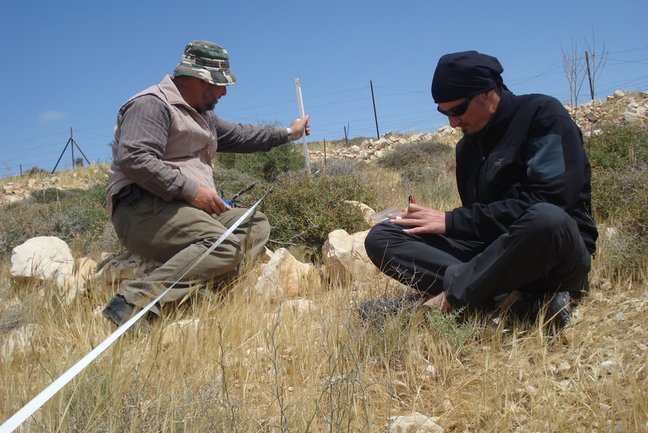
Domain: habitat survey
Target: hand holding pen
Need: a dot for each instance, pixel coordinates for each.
(420, 220)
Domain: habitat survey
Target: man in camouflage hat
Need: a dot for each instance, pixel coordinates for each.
(162, 197)
(207, 61)
(524, 233)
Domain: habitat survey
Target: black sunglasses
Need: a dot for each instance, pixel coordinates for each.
(457, 110)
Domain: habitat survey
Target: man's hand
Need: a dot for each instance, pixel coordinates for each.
(439, 301)
(420, 220)
(207, 200)
(299, 127)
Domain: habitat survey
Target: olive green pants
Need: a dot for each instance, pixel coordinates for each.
(179, 235)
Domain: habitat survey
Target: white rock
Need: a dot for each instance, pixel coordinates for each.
(74, 285)
(607, 365)
(414, 423)
(284, 276)
(344, 254)
(124, 266)
(367, 211)
(430, 372)
(44, 258)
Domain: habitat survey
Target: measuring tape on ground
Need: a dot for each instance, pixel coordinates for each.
(19, 417)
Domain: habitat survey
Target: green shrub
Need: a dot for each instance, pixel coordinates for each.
(51, 195)
(619, 147)
(305, 209)
(76, 216)
(265, 165)
(230, 181)
(619, 159)
(427, 153)
(417, 173)
(619, 199)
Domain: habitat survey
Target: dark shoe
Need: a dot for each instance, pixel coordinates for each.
(379, 309)
(558, 311)
(553, 309)
(118, 310)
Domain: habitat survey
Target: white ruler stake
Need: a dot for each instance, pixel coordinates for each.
(19, 417)
(300, 105)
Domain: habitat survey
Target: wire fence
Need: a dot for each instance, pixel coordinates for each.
(333, 115)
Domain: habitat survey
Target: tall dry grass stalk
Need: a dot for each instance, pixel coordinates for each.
(250, 365)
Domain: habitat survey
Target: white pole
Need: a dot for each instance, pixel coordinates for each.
(300, 105)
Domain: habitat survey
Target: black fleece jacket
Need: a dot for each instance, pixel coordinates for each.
(531, 152)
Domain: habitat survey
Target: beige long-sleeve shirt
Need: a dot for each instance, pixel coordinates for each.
(165, 146)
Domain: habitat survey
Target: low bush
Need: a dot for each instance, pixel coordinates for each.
(427, 153)
(76, 216)
(619, 147)
(265, 165)
(305, 209)
(230, 181)
(619, 159)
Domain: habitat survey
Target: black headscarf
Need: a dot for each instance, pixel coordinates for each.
(459, 75)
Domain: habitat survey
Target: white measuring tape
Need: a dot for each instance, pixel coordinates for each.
(19, 417)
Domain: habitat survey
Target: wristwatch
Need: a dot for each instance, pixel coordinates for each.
(289, 131)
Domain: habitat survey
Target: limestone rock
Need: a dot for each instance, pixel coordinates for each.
(43, 258)
(367, 211)
(344, 254)
(414, 423)
(74, 285)
(284, 276)
(124, 266)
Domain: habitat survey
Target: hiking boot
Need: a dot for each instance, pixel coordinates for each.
(558, 311)
(380, 309)
(118, 310)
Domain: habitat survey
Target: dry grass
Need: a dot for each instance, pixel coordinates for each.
(254, 366)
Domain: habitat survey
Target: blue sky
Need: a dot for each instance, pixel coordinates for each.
(71, 64)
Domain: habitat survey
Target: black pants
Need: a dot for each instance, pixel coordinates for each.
(542, 252)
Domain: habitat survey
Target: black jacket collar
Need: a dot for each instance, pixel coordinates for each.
(497, 127)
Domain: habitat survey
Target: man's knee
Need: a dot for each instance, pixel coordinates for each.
(378, 239)
(545, 220)
(548, 215)
(260, 227)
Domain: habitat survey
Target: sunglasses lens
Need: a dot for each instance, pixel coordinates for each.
(457, 110)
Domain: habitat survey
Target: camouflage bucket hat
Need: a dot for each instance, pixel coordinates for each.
(207, 61)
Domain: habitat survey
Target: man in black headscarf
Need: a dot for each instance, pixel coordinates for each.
(524, 233)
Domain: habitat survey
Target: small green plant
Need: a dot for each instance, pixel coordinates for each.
(619, 147)
(449, 327)
(428, 153)
(230, 181)
(76, 216)
(619, 159)
(265, 165)
(305, 209)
